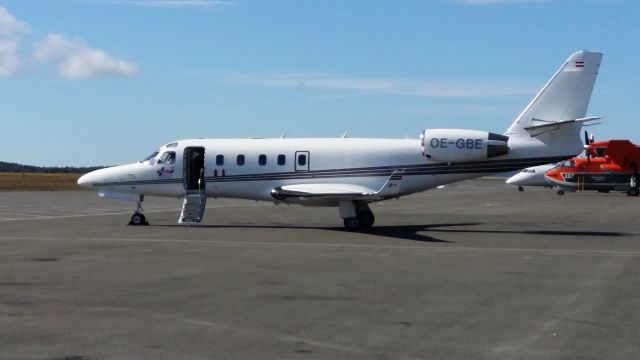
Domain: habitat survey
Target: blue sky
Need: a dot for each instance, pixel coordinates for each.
(102, 82)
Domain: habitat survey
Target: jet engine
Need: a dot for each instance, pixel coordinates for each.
(457, 145)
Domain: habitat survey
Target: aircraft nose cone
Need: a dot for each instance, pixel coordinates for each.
(85, 180)
(514, 179)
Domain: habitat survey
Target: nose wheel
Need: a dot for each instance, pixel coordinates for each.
(138, 218)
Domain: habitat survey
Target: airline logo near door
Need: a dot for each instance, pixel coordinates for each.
(165, 171)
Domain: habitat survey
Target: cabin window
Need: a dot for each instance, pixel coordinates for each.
(262, 160)
(219, 160)
(168, 157)
(302, 160)
(240, 160)
(281, 159)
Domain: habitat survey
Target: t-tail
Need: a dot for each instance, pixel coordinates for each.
(550, 125)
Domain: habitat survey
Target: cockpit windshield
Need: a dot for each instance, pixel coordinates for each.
(569, 164)
(150, 158)
(168, 157)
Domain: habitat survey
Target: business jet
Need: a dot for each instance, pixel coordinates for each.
(531, 176)
(350, 173)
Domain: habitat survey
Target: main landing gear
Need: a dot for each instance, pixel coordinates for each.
(356, 215)
(138, 217)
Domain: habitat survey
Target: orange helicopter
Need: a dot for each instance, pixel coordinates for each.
(608, 165)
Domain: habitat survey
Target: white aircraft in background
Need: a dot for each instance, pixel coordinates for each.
(350, 173)
(531, 176)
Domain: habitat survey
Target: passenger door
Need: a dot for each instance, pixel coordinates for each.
(194, 168)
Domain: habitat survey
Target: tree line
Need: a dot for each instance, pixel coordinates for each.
(18, 168)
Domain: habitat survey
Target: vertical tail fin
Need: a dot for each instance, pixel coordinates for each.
(565, 97)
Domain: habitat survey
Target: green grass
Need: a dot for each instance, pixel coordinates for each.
(38, 181)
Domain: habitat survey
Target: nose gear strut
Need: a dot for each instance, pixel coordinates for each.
(138, 217)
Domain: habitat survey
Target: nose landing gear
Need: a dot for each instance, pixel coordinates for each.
(138, 217)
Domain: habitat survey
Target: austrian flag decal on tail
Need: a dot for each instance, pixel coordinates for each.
(579, 63)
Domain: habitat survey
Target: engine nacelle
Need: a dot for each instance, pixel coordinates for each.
(457, 145)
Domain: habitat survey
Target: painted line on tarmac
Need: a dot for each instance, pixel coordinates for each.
(72, 215)
(423, 250)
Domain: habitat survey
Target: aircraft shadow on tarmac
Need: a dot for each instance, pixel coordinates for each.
(540, 232)
(404, 232)
(416, 232)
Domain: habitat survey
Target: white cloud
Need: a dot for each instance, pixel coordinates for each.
(385, 86)
(79, 61)
(10, 30)
(75, 58)
(168, 3)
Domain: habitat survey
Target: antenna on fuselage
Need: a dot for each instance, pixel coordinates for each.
(345, 135)
(284, 135)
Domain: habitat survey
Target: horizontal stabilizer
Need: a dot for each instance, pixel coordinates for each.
(536, 130)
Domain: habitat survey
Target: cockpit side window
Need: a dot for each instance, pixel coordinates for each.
(151, 157)
(168, 157)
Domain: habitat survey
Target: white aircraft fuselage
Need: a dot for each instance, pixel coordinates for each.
(367, 163)
(350, 173)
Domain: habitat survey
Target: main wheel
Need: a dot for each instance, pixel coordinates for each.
(138, 219)
(520, 188)
(352, 223)
(366, 219)
(634, 191)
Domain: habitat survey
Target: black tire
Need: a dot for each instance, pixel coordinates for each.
(352, 223)
(366, 219)
(634, 191)
(520, 188)
(138, 219)
(561, 192)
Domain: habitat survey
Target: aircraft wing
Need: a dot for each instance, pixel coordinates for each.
(338, 192)
(323, 192)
